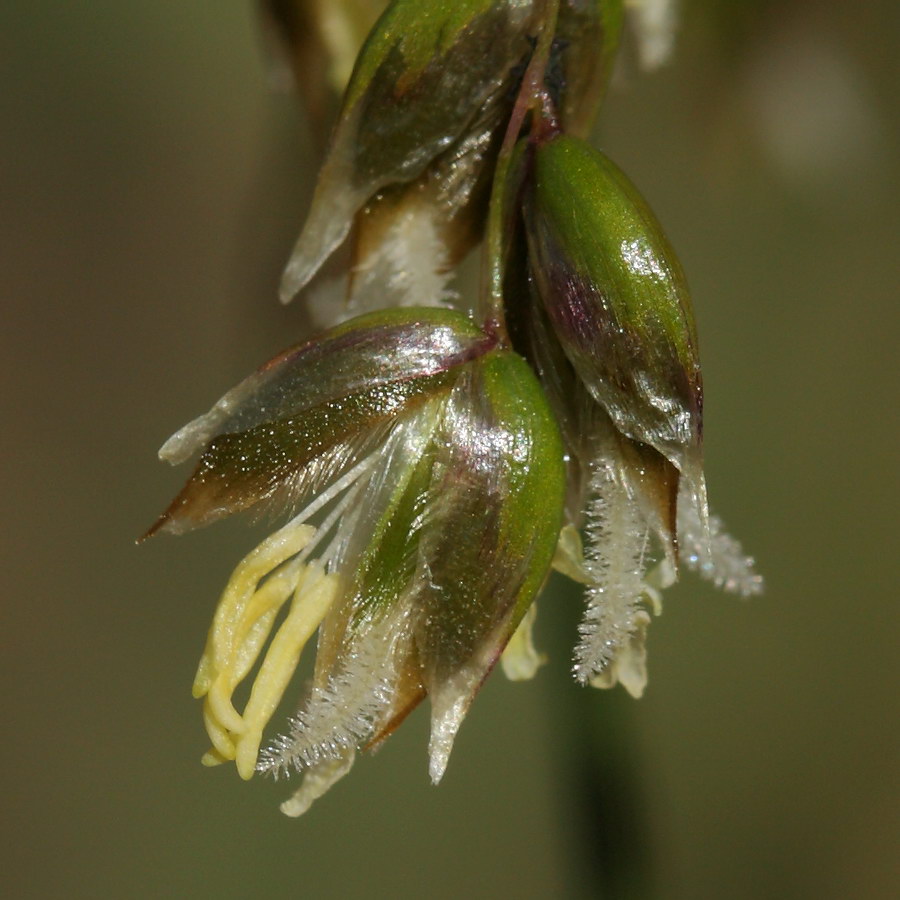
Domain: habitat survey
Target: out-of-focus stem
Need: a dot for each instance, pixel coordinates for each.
(598, 763)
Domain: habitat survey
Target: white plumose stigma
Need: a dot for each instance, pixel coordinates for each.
(345, 713)
(408, 267)
(615, 564)
(621, 592)
(721, 561)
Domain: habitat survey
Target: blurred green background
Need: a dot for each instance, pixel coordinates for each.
(150, 187)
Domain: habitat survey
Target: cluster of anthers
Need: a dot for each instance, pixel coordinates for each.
(438, 455)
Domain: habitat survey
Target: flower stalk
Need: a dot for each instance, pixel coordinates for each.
(530, 98)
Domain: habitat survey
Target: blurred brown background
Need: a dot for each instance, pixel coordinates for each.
(150, 187)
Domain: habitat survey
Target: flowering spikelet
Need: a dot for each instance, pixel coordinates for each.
(430, 70)
(435, 463)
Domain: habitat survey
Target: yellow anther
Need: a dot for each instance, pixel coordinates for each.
(312, 597)
(243, 621)
(521, 659)
(222, 743)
